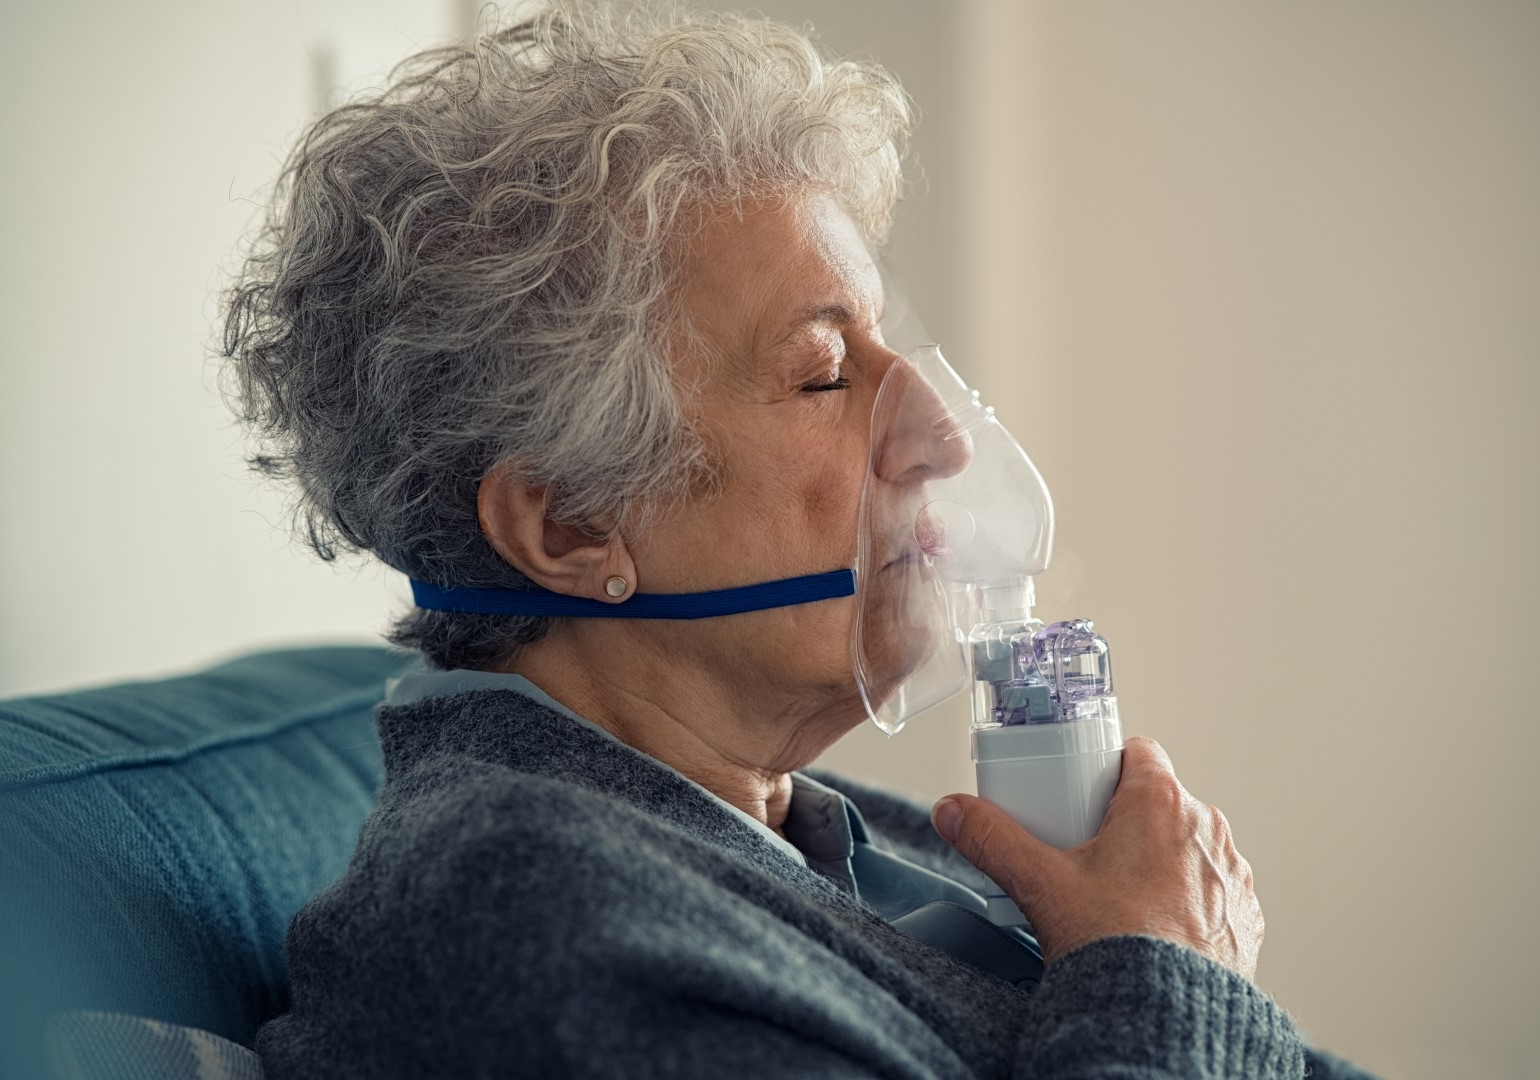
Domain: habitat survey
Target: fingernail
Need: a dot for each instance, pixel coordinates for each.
(947, 817)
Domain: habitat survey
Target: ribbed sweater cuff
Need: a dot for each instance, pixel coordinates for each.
(1152, 1005)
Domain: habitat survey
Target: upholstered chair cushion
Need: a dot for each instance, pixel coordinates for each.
(157, 837)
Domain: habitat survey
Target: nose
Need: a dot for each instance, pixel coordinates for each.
(918, 436)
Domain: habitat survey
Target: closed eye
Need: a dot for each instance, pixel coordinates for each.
(839, 382)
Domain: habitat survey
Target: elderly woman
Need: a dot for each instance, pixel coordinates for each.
(588, 310)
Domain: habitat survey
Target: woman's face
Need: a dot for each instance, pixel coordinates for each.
(784, 363)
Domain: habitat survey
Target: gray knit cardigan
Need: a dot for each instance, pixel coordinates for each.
(534, 898)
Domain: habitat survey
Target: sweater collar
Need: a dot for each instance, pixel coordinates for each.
(419, 686)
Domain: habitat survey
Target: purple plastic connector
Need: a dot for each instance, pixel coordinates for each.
(1073, 659)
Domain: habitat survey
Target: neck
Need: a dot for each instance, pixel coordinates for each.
(726, 735)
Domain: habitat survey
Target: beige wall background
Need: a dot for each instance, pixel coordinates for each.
(1260, 286)
(1257, 284)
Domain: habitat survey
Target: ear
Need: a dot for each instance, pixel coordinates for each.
(562, 558)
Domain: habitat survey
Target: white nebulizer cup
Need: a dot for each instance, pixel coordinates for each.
(1047, 743)
(955, 523)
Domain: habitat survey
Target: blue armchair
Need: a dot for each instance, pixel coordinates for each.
(157, 837)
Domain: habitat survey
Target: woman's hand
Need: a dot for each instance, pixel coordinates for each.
(1163, 864)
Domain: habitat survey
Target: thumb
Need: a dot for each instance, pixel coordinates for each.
(991, 840)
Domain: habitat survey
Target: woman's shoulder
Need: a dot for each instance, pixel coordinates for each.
(488, 909)
(459, 840)
(463, 820)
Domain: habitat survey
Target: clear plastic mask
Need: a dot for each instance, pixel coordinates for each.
(951, 504)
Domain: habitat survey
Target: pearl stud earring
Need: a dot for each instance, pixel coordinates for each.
(615, 586)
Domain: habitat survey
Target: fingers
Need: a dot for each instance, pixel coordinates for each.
(1149, 780)
(1163, 863)
(991, 840)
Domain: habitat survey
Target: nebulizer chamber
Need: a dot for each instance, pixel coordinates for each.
(978, 524)
(1047, 743)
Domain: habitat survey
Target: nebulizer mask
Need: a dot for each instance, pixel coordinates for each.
(955, 522)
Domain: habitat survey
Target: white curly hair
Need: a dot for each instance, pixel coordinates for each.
(471, 268)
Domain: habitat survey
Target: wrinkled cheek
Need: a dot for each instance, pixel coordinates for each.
(831, 509)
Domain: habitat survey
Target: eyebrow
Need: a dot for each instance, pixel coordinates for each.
(829, 314)
(838, 314)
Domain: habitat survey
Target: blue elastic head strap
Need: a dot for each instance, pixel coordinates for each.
(697, 605)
